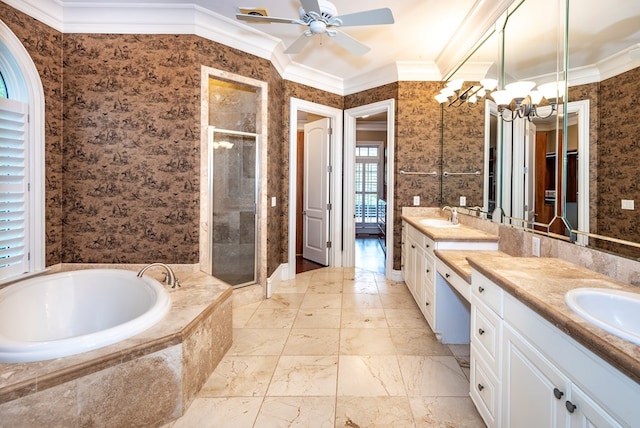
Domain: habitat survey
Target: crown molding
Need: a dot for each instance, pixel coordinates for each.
(49, 12)
(379, 77)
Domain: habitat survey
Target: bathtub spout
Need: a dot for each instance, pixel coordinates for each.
(170, 278)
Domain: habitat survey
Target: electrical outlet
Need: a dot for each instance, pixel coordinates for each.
(273, 201)
(628, 204)
(535, 246)
(416, 201)
(463, 201)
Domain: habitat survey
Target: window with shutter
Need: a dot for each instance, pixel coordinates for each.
(14, 258)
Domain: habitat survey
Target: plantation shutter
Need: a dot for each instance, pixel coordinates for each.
(13, 189)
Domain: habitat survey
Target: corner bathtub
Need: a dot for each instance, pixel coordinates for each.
(67, 313)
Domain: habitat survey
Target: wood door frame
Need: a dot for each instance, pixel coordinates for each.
(335, 186)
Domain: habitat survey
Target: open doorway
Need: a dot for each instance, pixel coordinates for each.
(371, 192)
(368, 187)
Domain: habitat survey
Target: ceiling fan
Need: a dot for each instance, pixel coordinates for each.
(321, 16)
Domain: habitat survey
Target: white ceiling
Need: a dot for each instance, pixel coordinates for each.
(426, 41)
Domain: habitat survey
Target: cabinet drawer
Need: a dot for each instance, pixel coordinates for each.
(486, 334)
(429, 272)
(484, 391)
(428, 244)
(487, 292)
(461, 286)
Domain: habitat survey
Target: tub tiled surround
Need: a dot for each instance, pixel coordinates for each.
(516, 242)
(147, 380)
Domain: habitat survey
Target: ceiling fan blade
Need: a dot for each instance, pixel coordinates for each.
(311, 6)
(264, 19)
(298, 44)
(349, 43)
(367, 17)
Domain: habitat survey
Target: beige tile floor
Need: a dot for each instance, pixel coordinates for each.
(336, 348)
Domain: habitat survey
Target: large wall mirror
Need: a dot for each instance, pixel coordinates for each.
(567, 165)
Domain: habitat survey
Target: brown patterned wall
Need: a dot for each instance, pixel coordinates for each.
(618, 155)
(130, 163)
(463, 152)
(44, 45)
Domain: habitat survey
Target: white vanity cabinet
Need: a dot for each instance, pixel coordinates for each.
(527, 373)
(418, 266)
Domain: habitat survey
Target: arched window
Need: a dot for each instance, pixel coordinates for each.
(21, 161)
(3, 87)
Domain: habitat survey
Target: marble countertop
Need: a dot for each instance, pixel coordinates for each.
(541, 283)
(457, 260)
(459, 233)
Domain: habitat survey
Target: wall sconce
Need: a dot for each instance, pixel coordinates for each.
(457, 96)
(526, 99)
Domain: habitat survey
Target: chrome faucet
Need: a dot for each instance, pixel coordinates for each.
(454, 214)
(169, 278)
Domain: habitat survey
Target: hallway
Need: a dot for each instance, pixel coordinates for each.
(336, 348)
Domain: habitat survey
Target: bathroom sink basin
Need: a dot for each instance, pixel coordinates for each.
(614, 311)
(437, 222)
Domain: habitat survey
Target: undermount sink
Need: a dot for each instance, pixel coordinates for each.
(437, 222)
(614, 311)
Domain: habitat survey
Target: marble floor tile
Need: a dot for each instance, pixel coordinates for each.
(302, 412)
(405, 318)
(340, 348)
(361, 287)
(361, 301)
(397, 300)
(282, 301)
(318, 318)
(325, 287)
(370, 376)
(366, 341)
(322, 301)
(363, 318)
(220, 412)
(272, 318)
(433, 376)
(374, 412)
(445, 412)
(417, 342)
(241, 316)
(313, 341)
(240, 376)
(304, 376)
(258, 341)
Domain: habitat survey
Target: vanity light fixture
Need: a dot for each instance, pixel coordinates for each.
(457, 96)
(526, 99)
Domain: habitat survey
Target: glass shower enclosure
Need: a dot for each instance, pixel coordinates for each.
(233, 189)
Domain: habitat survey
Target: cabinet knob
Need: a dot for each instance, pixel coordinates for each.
(426, 303)
(428, 271)
(413, 246)
(480, 331)
(570, 406)
(480, 387)
(557, 393)
(480, 289)
(427, 245)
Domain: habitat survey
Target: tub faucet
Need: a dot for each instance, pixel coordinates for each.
(170, 277)
(454, 214)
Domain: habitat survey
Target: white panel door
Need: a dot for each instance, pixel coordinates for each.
(316, 191)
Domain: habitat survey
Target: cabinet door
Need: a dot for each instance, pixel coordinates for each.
(534, 391)
(586, 413)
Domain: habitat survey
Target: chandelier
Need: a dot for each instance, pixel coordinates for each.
(457, 96)
(526, 99)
